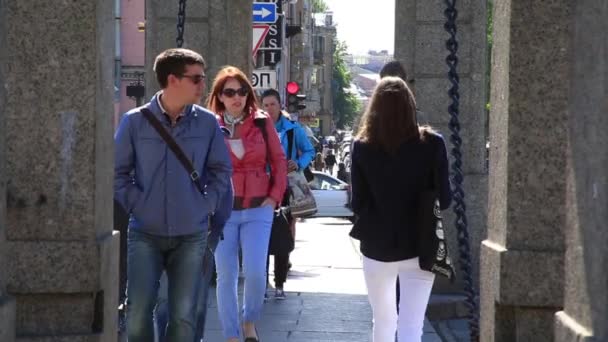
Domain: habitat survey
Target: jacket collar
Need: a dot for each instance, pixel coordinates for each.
(284, 124)
(156, 109)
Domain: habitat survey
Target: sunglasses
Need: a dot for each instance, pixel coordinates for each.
(229, 92)
(196, 79)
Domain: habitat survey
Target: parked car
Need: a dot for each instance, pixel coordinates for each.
(332, 196)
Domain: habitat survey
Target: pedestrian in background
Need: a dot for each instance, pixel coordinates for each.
(254, 145)
(169, 215)
(396, 69)
(293, 136)
(318, 164)
(342, 174)
(330, 161)
(393, 160)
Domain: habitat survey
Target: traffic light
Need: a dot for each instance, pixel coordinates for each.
(294, 100)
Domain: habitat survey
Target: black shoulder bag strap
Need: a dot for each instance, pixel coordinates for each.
(181, 156)
(290, 138)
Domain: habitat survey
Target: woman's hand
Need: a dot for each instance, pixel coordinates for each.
(269, 201)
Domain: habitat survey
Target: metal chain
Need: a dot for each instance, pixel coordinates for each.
(181, 20)
(459, 206)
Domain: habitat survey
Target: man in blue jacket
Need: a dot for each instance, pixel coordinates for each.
(169, 216)
(300, 156)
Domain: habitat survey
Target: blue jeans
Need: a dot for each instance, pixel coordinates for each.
(249, 228)
(161, 313)
(182, 258)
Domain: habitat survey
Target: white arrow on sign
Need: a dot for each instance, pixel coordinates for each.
(263, 12)
(259, 33)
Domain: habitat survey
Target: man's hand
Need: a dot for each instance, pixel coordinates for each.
(269, 201)
(292, 166)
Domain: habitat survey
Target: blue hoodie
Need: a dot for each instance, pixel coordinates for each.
(302, 143)
(154, 187)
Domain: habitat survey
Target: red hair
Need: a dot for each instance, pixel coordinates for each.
(226, 73)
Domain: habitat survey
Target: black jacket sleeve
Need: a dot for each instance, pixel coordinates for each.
(359, 186)
(445, 191)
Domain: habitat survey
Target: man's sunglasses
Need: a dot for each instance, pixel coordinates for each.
(196, 79)
(229, 92)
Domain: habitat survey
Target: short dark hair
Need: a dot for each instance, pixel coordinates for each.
(393, 68)
(173, 62)
(271, 92)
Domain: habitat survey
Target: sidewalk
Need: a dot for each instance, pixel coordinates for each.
(326, 298)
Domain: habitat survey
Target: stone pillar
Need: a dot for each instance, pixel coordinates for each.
(523, 257)
(585, 314)
(420, 45)
(219, 30)
(60, 256)
(7, 302)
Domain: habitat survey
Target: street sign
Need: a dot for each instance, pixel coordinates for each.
(264, 79)
(259, 33)
(264, 12)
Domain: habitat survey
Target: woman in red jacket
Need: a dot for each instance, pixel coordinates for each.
(254, 145)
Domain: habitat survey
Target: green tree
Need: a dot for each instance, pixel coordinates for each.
(319, 6)
(346, 104)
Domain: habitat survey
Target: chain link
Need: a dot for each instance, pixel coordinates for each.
(459, 206)
(181, 20)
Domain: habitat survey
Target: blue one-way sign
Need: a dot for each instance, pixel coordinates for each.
(264, 12)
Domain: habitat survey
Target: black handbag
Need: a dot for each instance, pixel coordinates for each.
(433, 253)
(281, 239)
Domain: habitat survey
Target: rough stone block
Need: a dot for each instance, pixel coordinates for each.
(534, 324)
(57, 185)
(46, 315)
(489, 288)
(568, 329)
(169, 9)
(161, 36)
(432, 100)
(7, 319)
(532, 278)
(432, 10)
(431, 51)
(53, 267)
(109, 277)
(71, 338)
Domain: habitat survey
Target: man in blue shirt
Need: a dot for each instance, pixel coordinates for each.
(169, 216)
(300, 156)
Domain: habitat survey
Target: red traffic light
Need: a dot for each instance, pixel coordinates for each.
(292, 88)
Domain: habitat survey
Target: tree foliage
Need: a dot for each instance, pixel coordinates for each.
(346, 104)
(319, 6)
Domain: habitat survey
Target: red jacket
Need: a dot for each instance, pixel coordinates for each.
(250, 178)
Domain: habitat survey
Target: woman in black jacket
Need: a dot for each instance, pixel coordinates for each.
(393, 160)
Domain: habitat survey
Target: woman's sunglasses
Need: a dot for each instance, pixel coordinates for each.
(229, 92)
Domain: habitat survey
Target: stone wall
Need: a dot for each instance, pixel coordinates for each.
(420, 45)
(59, 254)
(522, 261)
(585, 314)
(217, 29)
(7, 302)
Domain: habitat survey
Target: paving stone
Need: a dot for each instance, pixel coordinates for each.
(324, 303)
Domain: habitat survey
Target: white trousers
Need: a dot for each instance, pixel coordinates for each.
(415, 289)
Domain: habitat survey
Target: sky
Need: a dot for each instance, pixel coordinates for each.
(365, 25)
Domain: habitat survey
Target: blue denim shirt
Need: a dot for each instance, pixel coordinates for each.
(154, 187)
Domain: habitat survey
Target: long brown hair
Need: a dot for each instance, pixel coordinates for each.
(390, 118)
(213, 101)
